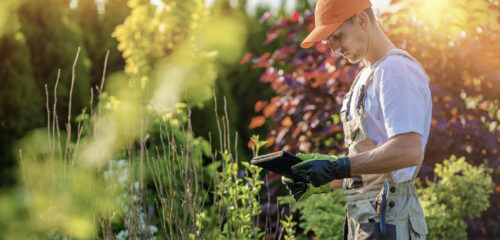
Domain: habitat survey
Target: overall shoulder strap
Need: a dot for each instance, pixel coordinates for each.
(345, 115)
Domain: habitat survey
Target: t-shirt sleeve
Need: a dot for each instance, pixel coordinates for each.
(403, 92)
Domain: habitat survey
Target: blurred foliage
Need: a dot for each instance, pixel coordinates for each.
(115, 121)
(97, 39)
(20, 100)
(184, 32)
(40, 24)
(16, 222)
(112, 17)
(461, 192)
(57, 202)
(9, 24)
(91, 27)
(36, 41)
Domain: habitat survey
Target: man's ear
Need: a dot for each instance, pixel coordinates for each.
(362, 19)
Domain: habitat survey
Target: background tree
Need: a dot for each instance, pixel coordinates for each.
(39, 43)
(52, 36)
(98, 27)
(21, 103)
(115, 12)
(93, 41)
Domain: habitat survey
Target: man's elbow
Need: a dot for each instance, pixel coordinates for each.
(415, 149)
(411, 146)
(415, 157)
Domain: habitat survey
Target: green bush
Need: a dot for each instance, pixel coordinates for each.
(238, 200)
(324, 214)
(289, 227)
(461, 192)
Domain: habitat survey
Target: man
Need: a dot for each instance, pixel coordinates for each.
(386, 118)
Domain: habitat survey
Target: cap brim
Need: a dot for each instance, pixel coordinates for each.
(319, 33)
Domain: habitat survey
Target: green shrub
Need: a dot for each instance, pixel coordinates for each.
(238, 200)
(324, 214)
(461, 192)
(289, 226)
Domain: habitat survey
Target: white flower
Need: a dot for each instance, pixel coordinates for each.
(123, 234)
(153, 229)
(122, 163)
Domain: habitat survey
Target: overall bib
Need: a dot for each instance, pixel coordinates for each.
(403, 215)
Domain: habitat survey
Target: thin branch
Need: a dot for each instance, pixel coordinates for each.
(228, 129)
(218, 123)
(54, 115)
(68, 124)
(91, 116)
(104, 72)
(48, 116)
(81, 125)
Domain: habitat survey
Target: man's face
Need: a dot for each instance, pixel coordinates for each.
(349, 40)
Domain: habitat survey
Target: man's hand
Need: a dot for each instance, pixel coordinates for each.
(301, 190)
(319, 169)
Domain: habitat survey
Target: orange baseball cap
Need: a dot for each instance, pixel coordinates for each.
(329, 15)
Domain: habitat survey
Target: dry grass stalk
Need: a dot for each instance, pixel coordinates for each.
(68, 124)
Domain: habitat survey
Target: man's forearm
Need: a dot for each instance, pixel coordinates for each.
(404, 150)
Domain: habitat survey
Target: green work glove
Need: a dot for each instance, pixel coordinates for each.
(319, 169)
(309, 156)
(301, 190)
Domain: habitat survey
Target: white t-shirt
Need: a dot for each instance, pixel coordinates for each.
(398, 101)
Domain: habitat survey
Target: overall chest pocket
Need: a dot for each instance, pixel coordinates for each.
(356, 130)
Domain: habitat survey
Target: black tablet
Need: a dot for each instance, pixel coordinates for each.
(278, 162)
